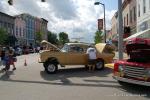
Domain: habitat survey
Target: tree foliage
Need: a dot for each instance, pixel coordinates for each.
(38, 37)
(52, 38)
(63, 38)
(6, 39)
(98, 37)
(3, 36)
(11, 40)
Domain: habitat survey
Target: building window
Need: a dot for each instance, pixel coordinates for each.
(124, 21)
(139, 10)
(144, 6)
(127, 19)
(130, 16)
(20, 32)
(16, 31)
(134, 13)
(23, 32)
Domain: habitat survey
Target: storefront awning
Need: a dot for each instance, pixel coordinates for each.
(137, 34)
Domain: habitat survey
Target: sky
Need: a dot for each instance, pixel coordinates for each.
(78, 18)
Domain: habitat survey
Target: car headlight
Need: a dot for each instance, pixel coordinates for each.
(120, 68)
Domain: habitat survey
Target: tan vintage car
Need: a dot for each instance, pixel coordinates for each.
(73, 54)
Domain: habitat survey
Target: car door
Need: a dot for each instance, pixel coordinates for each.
(77, 56)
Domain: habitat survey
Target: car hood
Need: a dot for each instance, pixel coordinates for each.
(137, 44)
(140, 64)
(49, 45)
(101, 47)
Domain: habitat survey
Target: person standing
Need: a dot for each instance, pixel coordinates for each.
(91, 57)
(6, 59)
(12, 58)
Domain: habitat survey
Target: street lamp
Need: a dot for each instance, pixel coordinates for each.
(10, 2)
(43, 1)
(99, 3)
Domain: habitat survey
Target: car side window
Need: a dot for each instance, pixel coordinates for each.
(76, 49)
(65, 48)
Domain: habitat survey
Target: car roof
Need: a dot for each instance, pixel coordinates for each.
(77, 44)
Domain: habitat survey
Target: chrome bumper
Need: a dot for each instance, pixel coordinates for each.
(132, 81)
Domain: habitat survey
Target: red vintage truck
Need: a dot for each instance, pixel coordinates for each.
(136, 69)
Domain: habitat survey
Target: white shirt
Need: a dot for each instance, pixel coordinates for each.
(92, 53)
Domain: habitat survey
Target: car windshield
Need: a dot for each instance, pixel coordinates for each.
(73, 48)
(65, 48)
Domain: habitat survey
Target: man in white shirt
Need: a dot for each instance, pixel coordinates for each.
(92, 57)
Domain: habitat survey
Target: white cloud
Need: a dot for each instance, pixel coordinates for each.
(76, 17)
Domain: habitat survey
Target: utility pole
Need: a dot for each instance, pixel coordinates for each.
(120, 30)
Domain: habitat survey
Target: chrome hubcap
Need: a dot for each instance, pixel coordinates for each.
(51, 68)
(99, 65)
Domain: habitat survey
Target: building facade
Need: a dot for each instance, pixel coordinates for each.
(38, 24)
(126, 18)
(30, 28)
(7, 23)
(129, 13)
(44, 28)
(114, 26)
(143, 16)
(24, 27)
(132, 17)
(19, 31)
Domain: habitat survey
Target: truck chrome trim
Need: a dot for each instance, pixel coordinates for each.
(144, 83)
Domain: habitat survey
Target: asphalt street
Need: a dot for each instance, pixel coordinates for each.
(72, 83)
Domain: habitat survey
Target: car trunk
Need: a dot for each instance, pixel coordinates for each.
(139, 50)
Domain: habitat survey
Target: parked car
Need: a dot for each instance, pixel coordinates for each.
(18, 51)
(136, 69)
(25, 50)
(73, 54)
(31, 49)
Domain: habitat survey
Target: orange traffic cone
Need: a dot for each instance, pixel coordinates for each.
(25, 62)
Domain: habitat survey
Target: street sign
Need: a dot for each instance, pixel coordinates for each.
(100, 24)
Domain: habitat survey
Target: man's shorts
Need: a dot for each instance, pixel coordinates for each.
(92, 61)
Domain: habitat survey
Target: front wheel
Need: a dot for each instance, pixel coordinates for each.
(51, 68)
(99, 64)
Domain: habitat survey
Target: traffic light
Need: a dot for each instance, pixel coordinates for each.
(10, 2)
(43, 0)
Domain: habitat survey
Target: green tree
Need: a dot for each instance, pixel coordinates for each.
(3, 36)
(38, 37)
(52, 38)
(63, 38)
(10, 40)
(98, 37)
